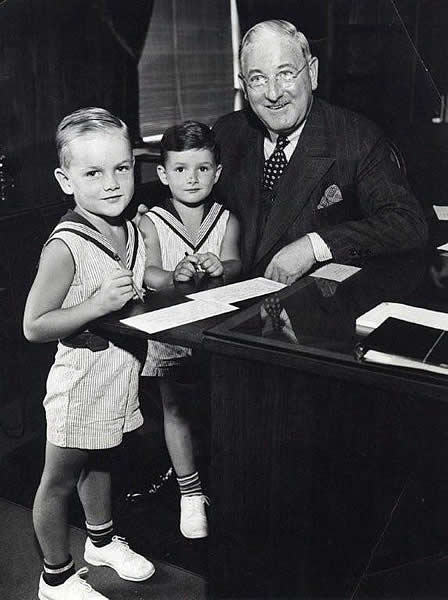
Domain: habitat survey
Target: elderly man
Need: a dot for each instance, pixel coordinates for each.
(310, 182)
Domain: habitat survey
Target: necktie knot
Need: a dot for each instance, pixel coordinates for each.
(282, 141)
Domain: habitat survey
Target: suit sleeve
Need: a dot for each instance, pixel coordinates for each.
(392, 219)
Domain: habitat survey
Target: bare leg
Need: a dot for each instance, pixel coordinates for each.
(50, 510)
(177, 427)
(95, 488)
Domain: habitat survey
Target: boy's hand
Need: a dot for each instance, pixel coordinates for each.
(186, 268)
(211, 264)
(141, 210)
(115, 291)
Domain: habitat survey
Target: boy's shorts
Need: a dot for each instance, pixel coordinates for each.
(92, 397)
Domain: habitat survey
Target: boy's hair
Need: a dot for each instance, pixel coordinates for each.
(190, 135)
(85, 120)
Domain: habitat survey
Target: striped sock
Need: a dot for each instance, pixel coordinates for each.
(57, 574)
(190, 485)
(100, 535)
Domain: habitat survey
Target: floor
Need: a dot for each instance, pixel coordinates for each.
(168, 582)
(409, 560)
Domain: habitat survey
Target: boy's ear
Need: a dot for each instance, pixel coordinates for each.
(162, 174)
(63, 181)
(218, 172)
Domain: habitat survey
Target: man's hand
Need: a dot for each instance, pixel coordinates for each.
(291, 262)
(141, 210)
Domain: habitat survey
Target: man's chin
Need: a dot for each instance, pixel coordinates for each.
(279, 124)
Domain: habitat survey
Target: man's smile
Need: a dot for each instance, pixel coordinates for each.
(277, 106)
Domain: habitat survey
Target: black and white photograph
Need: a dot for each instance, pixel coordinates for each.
(224, 299)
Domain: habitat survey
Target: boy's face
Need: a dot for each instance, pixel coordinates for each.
(100, 173)
(190, 175)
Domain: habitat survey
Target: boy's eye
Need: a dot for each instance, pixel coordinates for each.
(123, 168)
(179, 169)
(203, 169)
(92, 173)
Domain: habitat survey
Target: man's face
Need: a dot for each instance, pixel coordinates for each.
(100, 173)
(280, 105)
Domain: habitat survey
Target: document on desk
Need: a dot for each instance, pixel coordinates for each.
(335, 272)
(179, 314)
(443, 247)
(413, 314)
(236, 292)
(441, 212)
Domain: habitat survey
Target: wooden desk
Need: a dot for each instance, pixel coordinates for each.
(310, 449)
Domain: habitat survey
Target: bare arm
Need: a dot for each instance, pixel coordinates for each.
(230, 252)
(44, 320)
(155, 276)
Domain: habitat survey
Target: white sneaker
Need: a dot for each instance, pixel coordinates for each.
(193, 520)
(74, 588)
(117, 555)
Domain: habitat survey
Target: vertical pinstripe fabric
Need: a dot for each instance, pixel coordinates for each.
(174, 242)
(92, 397)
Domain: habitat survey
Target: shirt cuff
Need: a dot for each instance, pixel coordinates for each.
(321, 251)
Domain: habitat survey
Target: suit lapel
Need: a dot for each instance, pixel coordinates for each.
(313, 156)
(249, 193)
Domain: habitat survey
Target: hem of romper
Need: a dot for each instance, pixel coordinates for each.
(80, 442)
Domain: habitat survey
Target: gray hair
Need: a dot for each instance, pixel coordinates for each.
(280, 27)
(85, 120)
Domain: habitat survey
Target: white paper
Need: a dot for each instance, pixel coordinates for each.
(441, 212)
(335, 272)
(179, 314)
(443, 247)
(399, 361)
(413, 314)
(235, 292)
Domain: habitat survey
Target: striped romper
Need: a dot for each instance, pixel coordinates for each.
(92, 394)
(174, 241)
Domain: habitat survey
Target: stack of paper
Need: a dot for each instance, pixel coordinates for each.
(203, 305)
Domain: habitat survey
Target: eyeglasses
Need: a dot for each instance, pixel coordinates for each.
(285, 78)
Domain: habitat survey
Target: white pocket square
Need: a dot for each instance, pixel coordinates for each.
(332, 195)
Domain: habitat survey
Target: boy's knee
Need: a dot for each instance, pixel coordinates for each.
(60, 486)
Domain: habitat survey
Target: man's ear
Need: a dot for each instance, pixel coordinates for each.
(162, 174)
(218, 173)
(314, 72)
(63, 180)
(243, 85)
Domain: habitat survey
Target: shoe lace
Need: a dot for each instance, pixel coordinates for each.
(81, 581)
(121, 544)
(193, 500)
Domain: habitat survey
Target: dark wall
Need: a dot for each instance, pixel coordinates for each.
(57, 56)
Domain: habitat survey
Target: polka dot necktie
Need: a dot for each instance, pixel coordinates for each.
(276, 163)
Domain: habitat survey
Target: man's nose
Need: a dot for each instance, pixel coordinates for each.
(273, 89)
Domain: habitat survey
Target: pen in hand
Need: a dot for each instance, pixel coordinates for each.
(197, 267)
(134, 287)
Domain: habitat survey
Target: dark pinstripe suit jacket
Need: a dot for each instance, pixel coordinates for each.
(377, 214)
